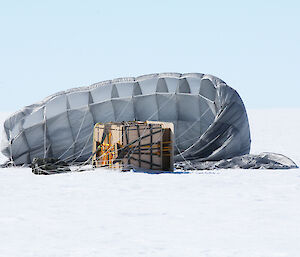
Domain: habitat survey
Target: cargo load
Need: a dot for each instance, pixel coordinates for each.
(137, 144)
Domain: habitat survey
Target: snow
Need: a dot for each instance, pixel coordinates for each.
(108, 213)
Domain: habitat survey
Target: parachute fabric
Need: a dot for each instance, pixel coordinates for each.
(209, 118)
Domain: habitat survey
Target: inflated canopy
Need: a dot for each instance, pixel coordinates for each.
(209, 117)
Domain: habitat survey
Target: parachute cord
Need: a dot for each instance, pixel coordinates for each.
(190, 139)
(194, 123)
(89, 159)
(45, 131)
(10, 148)
(76, 153)
(188, 147)
(185, 160)
(182, 134)
(65, 158)
(116, 118)
(47, 150)
(88, 138)
(180, 153)
(143, 133)
(74, 142)
(86, 143)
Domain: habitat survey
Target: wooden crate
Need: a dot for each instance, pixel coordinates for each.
(146, 145)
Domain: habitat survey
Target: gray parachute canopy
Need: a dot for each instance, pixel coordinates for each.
(209, 117)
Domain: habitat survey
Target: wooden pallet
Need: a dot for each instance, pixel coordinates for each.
(146, 145)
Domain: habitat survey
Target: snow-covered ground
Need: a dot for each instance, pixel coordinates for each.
(107, 213)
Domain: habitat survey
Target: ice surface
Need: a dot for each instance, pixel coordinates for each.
(104, 213)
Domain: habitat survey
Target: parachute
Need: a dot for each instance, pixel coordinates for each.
(209, 118)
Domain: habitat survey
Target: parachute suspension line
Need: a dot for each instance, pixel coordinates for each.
(139, 135)
(105, 153)
(130, 155)
(127, 140)
(116, 118)
(74, 154)
(91, 156)
(10, 147)
(185, 160)
(151, 142)
(47, 150)
(66, 158)
(45, 135)
(180, 153)
(196, 141)
(79, 153)
(85, 162)
(71, 156)
(190, 139)
(86, 143)
(82, 150)
(89, 136)
(191, 128)
(74, 142)
(194, 123)
(126, 133)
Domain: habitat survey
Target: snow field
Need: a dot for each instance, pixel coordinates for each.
(108, 213)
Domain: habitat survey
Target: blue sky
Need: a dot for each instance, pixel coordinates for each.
(50, 46)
